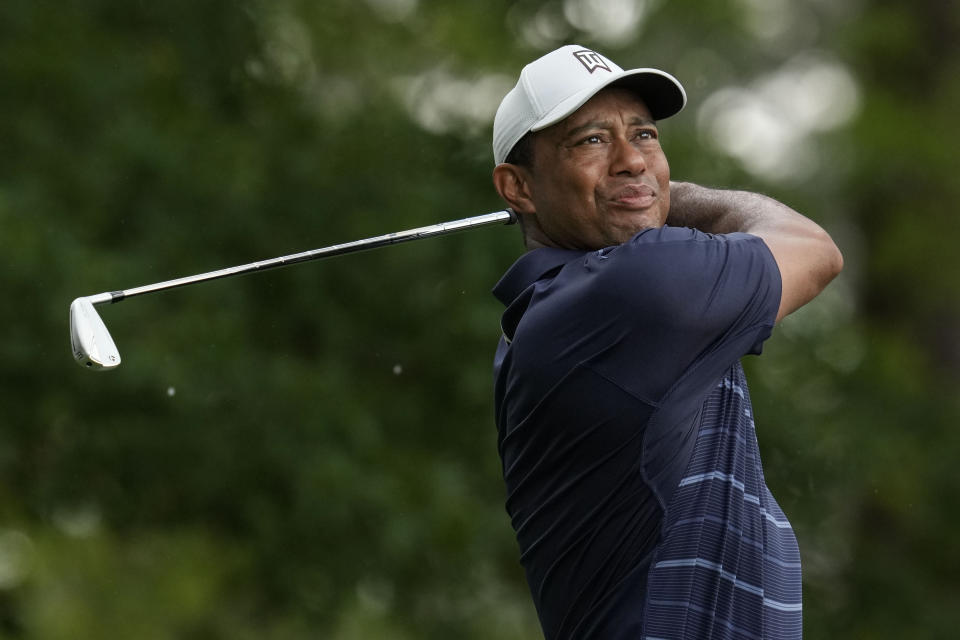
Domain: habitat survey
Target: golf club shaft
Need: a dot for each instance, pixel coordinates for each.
(506, 216)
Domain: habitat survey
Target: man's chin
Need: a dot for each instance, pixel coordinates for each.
(648, 220)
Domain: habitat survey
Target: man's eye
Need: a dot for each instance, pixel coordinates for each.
(591, 140)
(647, 134)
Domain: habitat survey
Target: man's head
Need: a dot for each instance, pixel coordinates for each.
(577, 149)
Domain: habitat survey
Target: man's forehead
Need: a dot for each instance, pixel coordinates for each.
(612, 99)
(609, 105)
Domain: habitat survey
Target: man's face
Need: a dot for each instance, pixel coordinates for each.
(599, 176)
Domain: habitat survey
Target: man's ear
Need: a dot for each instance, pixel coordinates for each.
(512, 182)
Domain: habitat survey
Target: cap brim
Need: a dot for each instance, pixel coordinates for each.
(662, 93)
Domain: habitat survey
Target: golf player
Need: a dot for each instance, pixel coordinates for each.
(625, 429)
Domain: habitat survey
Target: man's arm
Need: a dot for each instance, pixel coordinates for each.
(806, 255)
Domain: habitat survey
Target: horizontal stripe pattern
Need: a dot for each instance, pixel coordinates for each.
(728, 566)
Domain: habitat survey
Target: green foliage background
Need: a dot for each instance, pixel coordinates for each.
(311, 452)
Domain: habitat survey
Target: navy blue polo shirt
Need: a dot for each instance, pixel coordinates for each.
(633, 479)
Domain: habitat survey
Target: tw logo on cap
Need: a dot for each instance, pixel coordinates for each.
(591, 60)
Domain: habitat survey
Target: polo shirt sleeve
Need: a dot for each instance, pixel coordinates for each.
(675, 300)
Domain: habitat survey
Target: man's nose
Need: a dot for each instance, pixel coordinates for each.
(627, 159)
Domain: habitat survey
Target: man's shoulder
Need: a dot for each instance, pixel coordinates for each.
(653, 257)
(683, 237)
(665, 254)
(679, 255)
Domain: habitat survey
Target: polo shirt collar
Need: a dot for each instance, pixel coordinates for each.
(529, 268)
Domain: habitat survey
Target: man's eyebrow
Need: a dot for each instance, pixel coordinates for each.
(593, 125)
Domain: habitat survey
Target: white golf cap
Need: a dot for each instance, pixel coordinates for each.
(554, 86)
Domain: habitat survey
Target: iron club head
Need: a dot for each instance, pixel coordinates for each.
(93, 347)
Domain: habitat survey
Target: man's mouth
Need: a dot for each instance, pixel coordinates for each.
(635, 196)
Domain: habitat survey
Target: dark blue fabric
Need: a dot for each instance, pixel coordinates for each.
(602, 379)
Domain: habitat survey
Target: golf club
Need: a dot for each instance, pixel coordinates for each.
(93, 347)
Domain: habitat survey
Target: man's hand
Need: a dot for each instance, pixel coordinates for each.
(806, 255)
